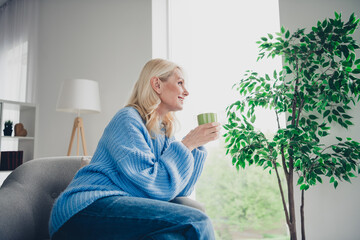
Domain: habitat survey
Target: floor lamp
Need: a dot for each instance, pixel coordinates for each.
(79, 96)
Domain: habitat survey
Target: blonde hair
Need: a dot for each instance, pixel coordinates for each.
(146, 100)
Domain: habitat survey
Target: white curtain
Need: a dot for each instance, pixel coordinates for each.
(18, 41)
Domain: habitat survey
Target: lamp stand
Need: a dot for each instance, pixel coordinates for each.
(79, 129)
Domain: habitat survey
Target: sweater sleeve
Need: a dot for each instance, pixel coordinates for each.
(141, 172)
(199, 155)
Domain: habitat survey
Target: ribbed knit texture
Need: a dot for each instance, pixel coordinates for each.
(128, 162)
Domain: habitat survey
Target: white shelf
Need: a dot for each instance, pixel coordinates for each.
(19, 112)
(17, 138)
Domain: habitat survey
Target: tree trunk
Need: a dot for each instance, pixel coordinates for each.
(292, 226)
(302, 215)
(293, 233)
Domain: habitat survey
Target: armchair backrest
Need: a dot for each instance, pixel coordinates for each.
(28, 193)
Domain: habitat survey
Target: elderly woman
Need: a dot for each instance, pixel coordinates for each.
(137, 168)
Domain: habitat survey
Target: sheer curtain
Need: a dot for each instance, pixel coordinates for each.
(18, 41)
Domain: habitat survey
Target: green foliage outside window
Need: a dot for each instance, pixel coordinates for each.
(240, 203)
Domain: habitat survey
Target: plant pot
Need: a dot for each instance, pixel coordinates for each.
(7, 132)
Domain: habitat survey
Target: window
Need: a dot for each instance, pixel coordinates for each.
(215, 42)
(14, 73)
(18, 42)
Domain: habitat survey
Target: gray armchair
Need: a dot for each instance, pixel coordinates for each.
(28, 193)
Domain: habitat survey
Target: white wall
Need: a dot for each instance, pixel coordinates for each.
(108, 41)
(329, 214)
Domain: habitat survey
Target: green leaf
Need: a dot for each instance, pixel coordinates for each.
(340, 109)
(264, 39)
(335, 112)
(282, 29)
(272, 144)
(356, 71)
(352, 175)
(326, 113)
(346, 116)
(269, 163)
(242, 164)
(326, 64)
(346, 178)
(336, 184)
(324, 23)
(319, 179)
(301, 180)
(275, 74)
(287, 34)
(253, 118)
(347, 122)
(313, 117)
(288, 70)
(345, 51)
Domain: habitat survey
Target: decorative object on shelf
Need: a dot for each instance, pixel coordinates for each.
(79, 96)
(11, 160)
(20, 131)
(8, 128)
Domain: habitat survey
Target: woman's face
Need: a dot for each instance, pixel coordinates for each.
(172, 93)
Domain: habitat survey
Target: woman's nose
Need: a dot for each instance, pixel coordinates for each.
(185, 93)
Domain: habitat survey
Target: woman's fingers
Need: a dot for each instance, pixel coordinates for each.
(202, 134)
(213, 130)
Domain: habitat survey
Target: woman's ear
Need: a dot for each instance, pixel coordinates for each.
(156, 84)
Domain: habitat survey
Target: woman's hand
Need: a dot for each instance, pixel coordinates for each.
(201, 135)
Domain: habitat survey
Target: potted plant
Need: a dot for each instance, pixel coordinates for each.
(8, 129)
(317, 86)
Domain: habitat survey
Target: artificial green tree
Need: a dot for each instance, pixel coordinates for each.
(317, 86)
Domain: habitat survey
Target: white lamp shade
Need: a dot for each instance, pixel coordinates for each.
(79, 96)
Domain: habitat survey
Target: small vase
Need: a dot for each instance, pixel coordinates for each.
(7, 132)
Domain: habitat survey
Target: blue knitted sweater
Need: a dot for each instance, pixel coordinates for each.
(128, 162)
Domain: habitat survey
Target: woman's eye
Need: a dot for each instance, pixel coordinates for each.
(180, 83)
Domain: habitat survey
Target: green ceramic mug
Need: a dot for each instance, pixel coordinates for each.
(206, 118)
